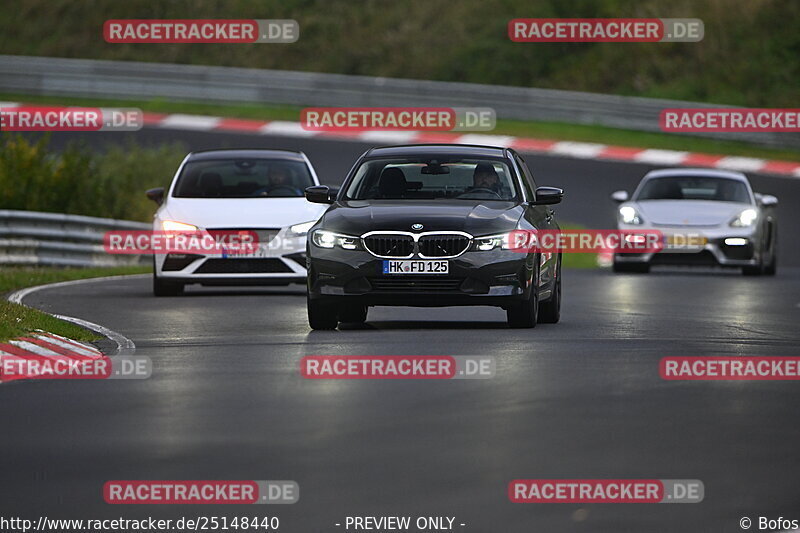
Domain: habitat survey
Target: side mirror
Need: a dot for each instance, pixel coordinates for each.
(548, 195)
(767, 200)
(157, 195)
(620, 196)
(321, 194)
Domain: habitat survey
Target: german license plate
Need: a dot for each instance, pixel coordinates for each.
(416, 267)
(242, 253)
(685, 241)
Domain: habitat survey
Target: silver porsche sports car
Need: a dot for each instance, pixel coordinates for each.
(707, 217)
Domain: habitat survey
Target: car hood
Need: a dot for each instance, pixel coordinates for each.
(241, 212)
(689, 212)
(356, 217)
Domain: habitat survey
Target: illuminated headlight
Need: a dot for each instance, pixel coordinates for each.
(745, 219)
(628, 215)
(172, 226)
(298, 230)
(486, 244)
(328, 239)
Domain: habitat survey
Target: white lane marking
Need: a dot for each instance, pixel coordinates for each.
(740, 163)
(125, 346)
(8, 105)
(68, 346)
(486, 140)
(576, 149)
(402, 137)
(284, 127)
(190, 122)
(661, 157)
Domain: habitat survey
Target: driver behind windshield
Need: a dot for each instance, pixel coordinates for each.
(279, 182)
(485, 177)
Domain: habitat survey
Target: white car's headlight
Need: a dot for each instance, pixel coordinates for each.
(745, 219)
(298, 230)
(486, 244)
(629, 215)
(329, 239)
(173, 226)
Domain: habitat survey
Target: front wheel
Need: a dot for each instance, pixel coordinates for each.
(525, 314)
(322, 315)
(166, 288)
(356, 314)
(550, 311)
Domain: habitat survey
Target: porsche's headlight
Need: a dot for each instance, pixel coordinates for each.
(629, 215)
(173, 226)
(298, 230)
(486, 244)
(329, 239)
(745, 219)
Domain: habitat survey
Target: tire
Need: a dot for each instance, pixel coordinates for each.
(166, 288)
(356, 314)
(550, 311)
(631, 268)
(772, 266)
(322, 315)
(525, 314)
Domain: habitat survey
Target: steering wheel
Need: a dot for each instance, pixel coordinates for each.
(480, 190)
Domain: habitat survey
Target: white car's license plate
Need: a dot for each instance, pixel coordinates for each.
(416, 267)
(260, 251)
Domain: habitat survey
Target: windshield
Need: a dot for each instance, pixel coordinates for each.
(695, 188)
(433, 178)
(243, 178)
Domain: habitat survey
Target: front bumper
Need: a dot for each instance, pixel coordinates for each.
(278, 262)
(715, 252)
(495, 278)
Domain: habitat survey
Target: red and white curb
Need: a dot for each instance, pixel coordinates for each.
(580, 150)
(45, 349)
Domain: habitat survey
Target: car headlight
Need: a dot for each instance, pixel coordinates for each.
(629, 215)
(745, 219)
(486, 244)
(329, 239)
(173, 226)
(299, 230)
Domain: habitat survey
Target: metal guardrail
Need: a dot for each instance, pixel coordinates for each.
(137, 80)
(54, 239)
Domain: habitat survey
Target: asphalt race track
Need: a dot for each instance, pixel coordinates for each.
(580, 399)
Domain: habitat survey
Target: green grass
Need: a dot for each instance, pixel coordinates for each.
(557, 131)
(18, 320)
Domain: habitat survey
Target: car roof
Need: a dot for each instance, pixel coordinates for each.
(700, 172)
(288, 155)
(437, 149)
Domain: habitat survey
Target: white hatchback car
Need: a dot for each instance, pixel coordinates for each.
(258, 191)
